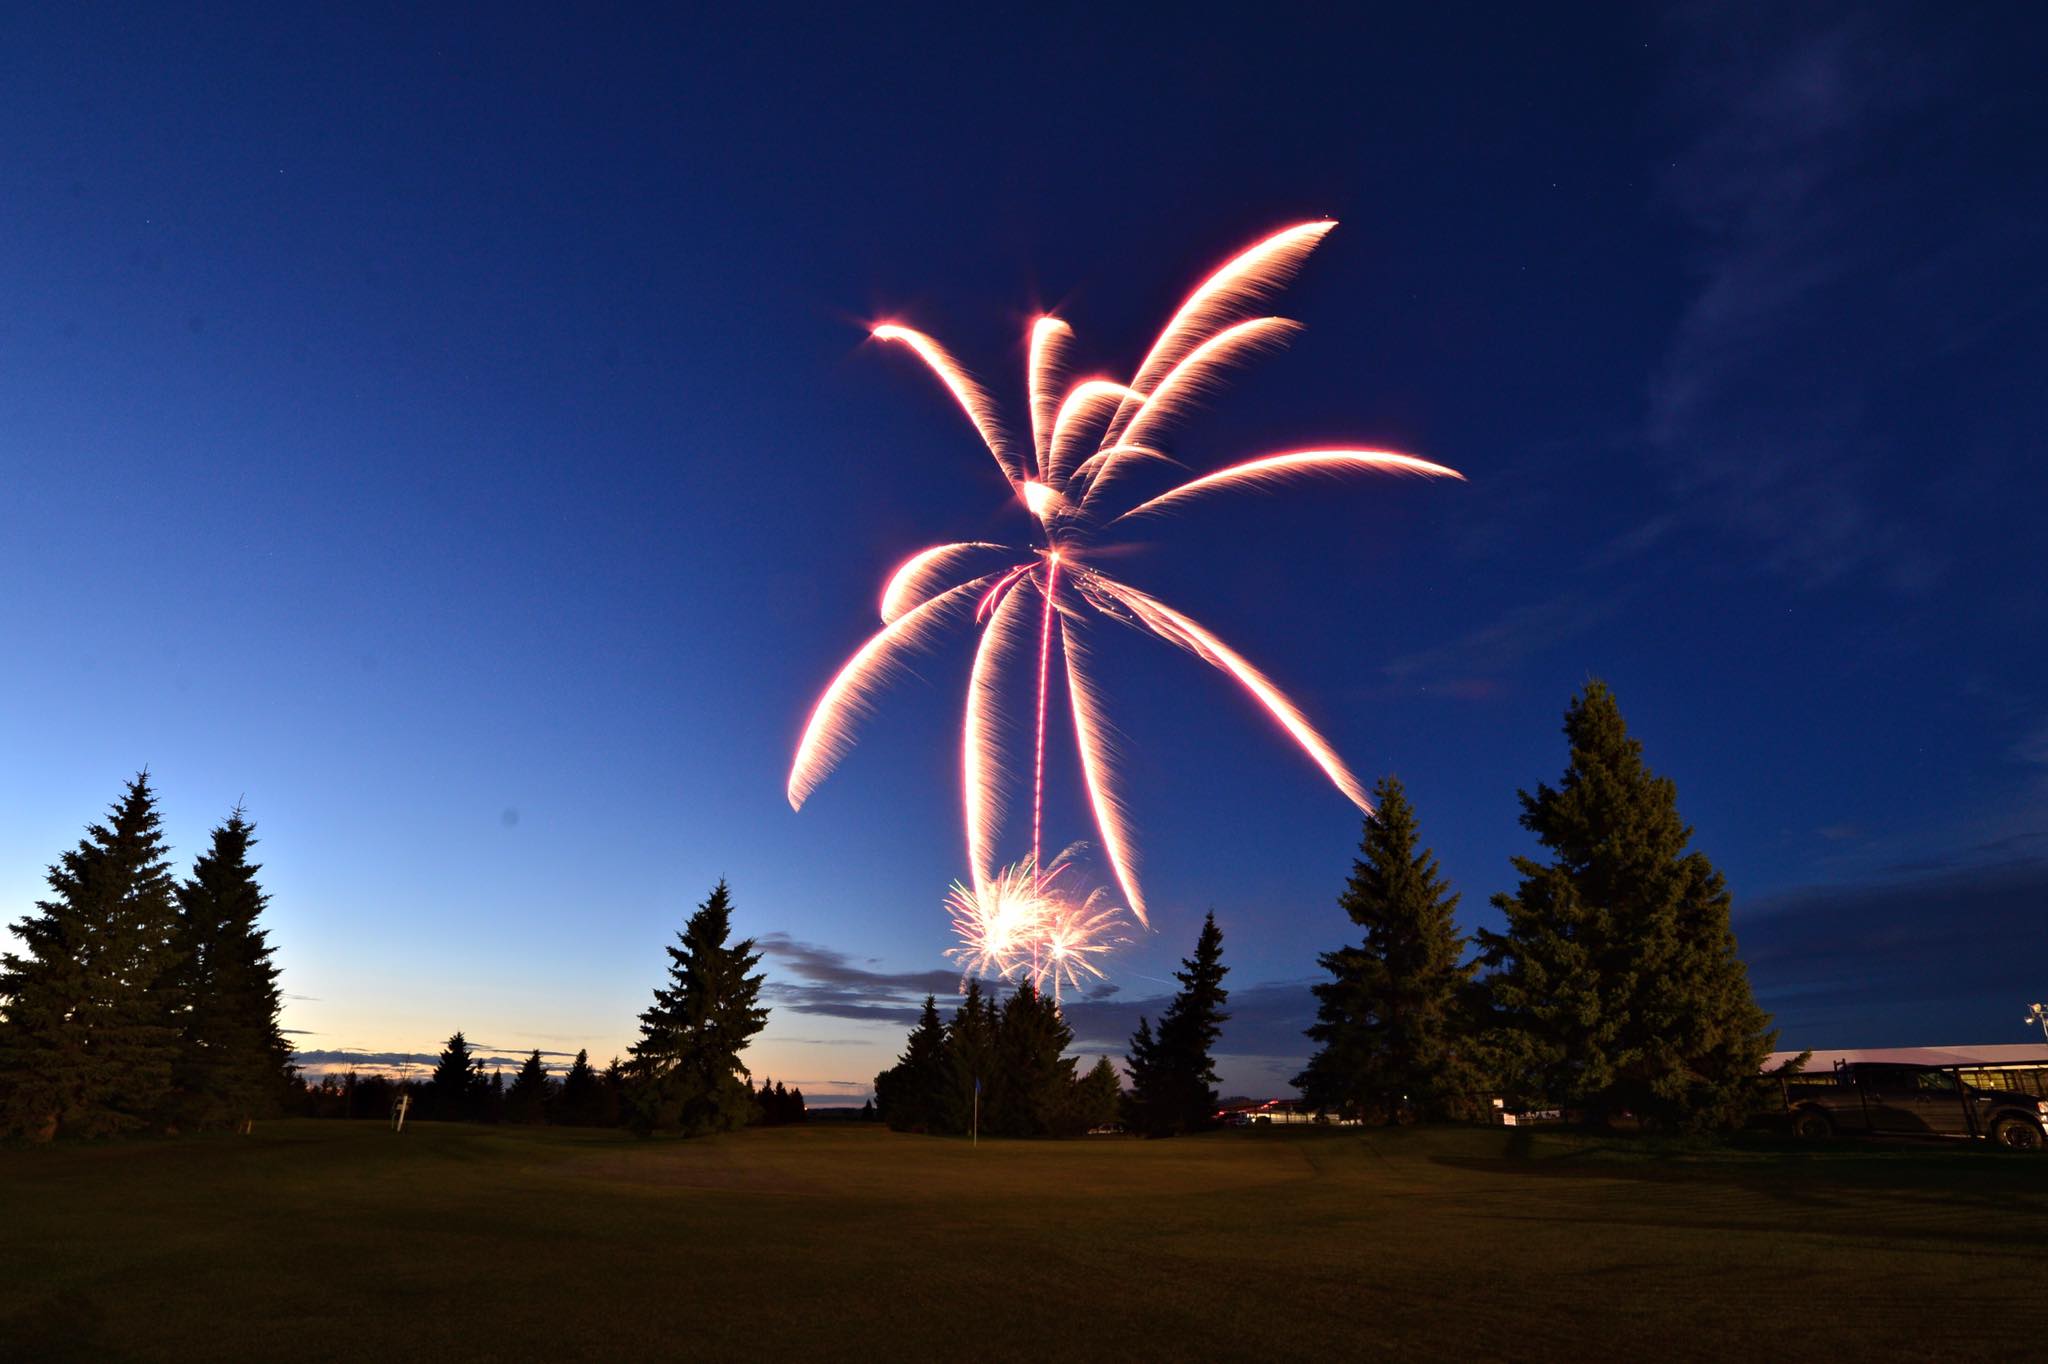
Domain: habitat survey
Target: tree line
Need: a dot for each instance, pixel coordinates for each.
(460, 1089)
(138, 1002)
(1613, 987)
(141, 1003)
(998, 1067)
(684, 1075)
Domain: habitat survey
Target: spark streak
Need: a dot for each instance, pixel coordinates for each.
(981, 742)
(907, 584)
(1089, 400)
(972, 397)
(828, 733)
(1269, 468)
(1247, 276)
(1051, 593)
(1187, 379)
(1048, 338)
(1091, 738)
(1176, 628)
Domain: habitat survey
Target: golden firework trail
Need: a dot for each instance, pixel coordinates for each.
(1026, 917)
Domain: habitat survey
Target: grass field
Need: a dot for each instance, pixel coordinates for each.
(339, 1240)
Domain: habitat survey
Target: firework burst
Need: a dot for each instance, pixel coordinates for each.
(1085, 436)
(1017, 922)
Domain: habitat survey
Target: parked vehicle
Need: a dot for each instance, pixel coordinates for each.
(1862, 1097)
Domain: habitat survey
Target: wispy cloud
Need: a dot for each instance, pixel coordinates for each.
(486, 1049)
(344, 1058)
(1917, 958)
(2032, 747)
(1822, 274)
(1266, 1020)
(1475, 663)
(813, 979)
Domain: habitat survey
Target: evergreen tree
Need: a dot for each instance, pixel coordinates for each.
(890, 1097)
(1394, 1023)
(687, 1073)
(1098, 1097)
(373, 1097)
(578, 1101)
(915, 1093)
(1028, 1094)
(494, 1095)
(1142, 1064)
(611, 1094)
(970, 1057)
(234, 1063)
(455, 1090)
(527, 1100)
(89, 1009)
(1173, 1076)
(1616, 983)
(796, 1111)
(867, 1110)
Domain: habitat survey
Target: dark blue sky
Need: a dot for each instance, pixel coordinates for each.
(456, 436)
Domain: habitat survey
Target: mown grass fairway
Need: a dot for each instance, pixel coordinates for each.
(339, 1240)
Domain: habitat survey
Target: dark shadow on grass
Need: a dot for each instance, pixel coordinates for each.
(1861, 1190)
(62, 1327)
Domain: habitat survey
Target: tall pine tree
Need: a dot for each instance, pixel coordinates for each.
(914, 1094)
(578, 1103)
(527, 1100)
(455, 1091)
(611, 1094)
(88, 1010)
(1030, 1092)
(1142, 1063)
(1395, 1022)
(1098, 1097)
(234, 1064)
(1173, 1075)
(1616, 983)
(970, 1056)
(687, 1073)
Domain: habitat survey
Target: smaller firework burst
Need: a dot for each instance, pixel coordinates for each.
(1074, 935)
(1018, 923)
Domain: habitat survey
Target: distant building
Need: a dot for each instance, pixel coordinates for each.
(1994, 1054)
(1245, 1112)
